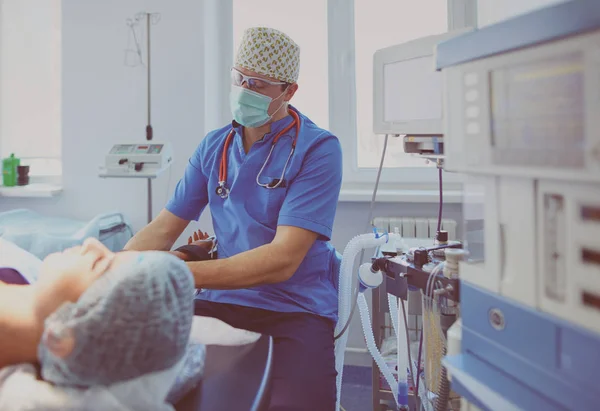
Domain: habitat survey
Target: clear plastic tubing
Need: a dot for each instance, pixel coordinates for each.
(372, 347)
(346, 283)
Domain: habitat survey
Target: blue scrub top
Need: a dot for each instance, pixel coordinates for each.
(249, 217)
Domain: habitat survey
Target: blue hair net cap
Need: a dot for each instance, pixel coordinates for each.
(134, 320)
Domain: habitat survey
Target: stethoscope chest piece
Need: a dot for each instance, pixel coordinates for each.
(222, 191)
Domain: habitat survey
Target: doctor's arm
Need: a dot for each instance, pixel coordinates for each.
(186, 204)
(160, 234)
(269, 264)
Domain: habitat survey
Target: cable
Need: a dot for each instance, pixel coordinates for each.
(441, 401)
(412, 377)
(168, 184)
(419, 359)
(428, 307)
(362, 252)
(439, 224)
(354, 303)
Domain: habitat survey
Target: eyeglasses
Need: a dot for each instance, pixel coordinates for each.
(254, 83)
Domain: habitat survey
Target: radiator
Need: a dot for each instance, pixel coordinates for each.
(415, 227)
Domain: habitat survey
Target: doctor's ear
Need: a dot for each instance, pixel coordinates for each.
(290, 91)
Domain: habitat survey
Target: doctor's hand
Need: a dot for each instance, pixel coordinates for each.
(201, 239)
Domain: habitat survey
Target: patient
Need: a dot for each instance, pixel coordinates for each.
(78, 294)
(83, 272)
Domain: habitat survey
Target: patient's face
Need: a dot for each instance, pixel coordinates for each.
(72, 271)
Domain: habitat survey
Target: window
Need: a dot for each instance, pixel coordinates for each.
(338, 39)
(391, 22)
(30, 85)
(306, 23)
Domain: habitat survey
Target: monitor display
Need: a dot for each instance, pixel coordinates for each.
(155, 149)
(413, 91)
(122, 149)
(407, 89)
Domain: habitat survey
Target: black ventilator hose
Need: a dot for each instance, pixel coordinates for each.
(441, 402)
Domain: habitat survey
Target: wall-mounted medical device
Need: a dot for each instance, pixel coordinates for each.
(407, 90)
(521, 115)
(134, 160)
(531, 113)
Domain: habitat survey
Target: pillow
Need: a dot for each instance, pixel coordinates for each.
(12, 256)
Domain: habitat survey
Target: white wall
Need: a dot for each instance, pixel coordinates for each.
(104, 102)
(30, 72)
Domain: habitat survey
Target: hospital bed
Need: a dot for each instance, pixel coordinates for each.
(42, 235)
(235, 378)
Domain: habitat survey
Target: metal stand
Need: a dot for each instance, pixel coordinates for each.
(379, 325)
(149, 200)
(149, 131)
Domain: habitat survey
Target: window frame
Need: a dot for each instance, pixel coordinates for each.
(343, 112)
(342, 101)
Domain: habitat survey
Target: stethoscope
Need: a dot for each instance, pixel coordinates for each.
(222, 189)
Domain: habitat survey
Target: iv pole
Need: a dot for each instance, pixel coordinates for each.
(149, 131)
(151, 18)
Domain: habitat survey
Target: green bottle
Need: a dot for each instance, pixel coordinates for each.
(9, 170)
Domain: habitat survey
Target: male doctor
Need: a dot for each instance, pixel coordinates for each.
(272, 180)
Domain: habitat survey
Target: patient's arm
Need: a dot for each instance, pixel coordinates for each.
(160, 234)
(20, 327)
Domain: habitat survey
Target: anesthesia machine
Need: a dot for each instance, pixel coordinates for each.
(511, 315)
(521, 102)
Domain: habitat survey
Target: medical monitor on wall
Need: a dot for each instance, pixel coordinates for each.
(407, 90)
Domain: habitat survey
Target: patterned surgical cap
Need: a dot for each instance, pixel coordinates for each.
(269, 52)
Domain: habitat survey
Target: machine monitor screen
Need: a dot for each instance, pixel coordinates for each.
(407, 89)
(413, 91)
(155, 149)
(122, 149)
(538, 116)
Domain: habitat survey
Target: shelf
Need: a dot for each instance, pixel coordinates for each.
(31, 191)
(151, 173)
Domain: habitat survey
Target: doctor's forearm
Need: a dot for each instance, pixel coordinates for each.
(262, 265)
(145, 240)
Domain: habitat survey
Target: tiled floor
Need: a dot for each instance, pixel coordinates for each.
(356, 389)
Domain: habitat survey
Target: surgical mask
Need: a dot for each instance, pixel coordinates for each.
(249, 108)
